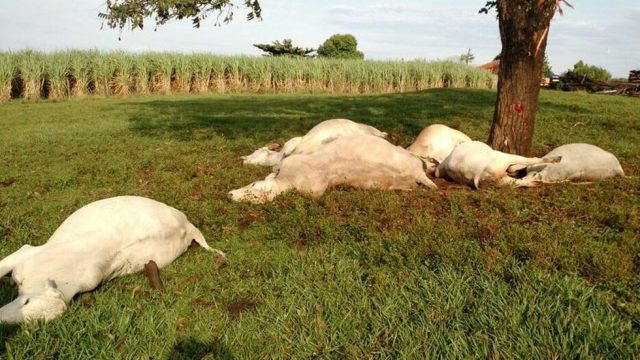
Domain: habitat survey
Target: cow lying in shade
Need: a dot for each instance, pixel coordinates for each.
(321, 134)
(580, 162)
(98, 242)
(436, 142)
(363, 161)
(474, 162)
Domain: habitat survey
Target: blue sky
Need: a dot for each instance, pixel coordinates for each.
(600, 33)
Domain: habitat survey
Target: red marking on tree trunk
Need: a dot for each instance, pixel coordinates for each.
(519, 108)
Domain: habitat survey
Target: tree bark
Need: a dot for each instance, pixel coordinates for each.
(524, 26)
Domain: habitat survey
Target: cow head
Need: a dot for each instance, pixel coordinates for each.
(430, 165)
(262, 157)
(257, 192)
(45, 305)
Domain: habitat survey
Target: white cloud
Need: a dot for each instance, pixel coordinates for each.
(607, 37)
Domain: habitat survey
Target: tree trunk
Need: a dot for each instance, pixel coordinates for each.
(524, 26)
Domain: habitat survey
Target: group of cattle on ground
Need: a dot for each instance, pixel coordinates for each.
(122, 235)
(343, 152)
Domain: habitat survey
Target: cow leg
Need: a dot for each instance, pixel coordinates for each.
(514, 169)
(526, 182)
(530, 180)
(507, 181)
(7, 264)
(523, 163)
(425, 181)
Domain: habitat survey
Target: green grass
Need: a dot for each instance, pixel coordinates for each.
(550, 272)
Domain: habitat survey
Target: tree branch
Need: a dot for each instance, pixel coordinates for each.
(133, 13)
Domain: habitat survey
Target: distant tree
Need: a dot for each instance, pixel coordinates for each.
(342, 46)
(591, 71)
(467, 58)
(285, 48)
(121, 13)
(546, 67)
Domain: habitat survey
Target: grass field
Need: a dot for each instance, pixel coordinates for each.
(550, 272)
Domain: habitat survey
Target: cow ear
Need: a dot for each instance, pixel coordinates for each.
(50, 284)
(51, 289)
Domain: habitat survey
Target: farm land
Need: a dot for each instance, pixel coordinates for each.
(547, 272)
(69, 74)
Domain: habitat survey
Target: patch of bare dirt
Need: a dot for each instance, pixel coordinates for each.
(7, 181)
(238, 306)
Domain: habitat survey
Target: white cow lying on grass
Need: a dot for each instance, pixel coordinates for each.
(363, 161)
(580, 162)
(321, 134)
(436, 142)
(474, 162)
(98, 242)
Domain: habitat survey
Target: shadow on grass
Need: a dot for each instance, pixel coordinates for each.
(268, 117)
(192, 348)
(6, 332)
(8, 290)
(7, 294)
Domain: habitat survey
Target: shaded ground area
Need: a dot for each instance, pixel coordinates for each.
(192, 348)
(512, 273)
(267, 118)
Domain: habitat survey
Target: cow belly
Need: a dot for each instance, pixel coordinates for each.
(375, 177)
(133, 258)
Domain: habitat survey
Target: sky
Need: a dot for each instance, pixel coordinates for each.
(599, 33)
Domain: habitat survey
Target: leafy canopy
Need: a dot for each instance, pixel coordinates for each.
(341, 46)
(285, 48)
(132, 13)
(591, 72)
(557, 4)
